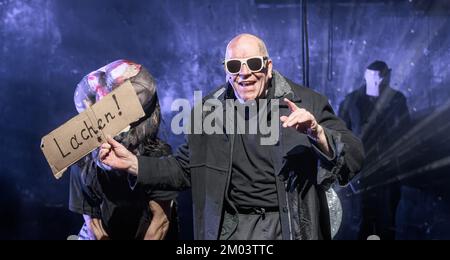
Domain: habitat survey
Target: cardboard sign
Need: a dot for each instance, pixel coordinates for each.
(87, 131)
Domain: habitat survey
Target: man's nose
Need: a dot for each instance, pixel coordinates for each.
(244, 70)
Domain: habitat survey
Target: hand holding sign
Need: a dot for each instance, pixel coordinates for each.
(118, 157)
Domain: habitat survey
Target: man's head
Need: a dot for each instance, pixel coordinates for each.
(248, 67)
(377, 75)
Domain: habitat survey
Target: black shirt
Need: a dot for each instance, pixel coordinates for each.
(253, 175)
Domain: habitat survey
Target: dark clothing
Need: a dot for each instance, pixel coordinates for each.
(106, 195)
(256, 226)
(253, 175)
(376, 120)
(253, 187)
(303, 173)
(379, 122)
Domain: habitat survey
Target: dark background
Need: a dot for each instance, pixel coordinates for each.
(47, 46)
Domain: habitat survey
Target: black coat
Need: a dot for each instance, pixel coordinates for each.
(378, 122)
(304, 173)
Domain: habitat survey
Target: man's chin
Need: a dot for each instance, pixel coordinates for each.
(248, 98)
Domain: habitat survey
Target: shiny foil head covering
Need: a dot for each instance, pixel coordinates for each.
(99, 83)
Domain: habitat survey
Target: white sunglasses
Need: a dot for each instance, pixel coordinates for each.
(254, 64)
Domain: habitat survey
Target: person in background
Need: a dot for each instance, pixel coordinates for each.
(378, 115)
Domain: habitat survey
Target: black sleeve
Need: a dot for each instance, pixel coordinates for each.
(165, 173)
(83, 197)
(162, 195)
(348, 151)
(152, 194)
(157, 149)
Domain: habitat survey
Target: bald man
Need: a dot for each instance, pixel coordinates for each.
(241, 188)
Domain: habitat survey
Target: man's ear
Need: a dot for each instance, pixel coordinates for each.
(269, 69)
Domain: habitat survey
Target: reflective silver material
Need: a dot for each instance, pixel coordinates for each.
(335, 207)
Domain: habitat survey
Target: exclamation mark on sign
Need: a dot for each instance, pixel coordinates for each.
(117, 104)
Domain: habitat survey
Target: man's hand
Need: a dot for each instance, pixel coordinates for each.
(304, 122)
(118, 157)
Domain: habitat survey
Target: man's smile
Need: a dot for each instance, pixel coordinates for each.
(247, 83)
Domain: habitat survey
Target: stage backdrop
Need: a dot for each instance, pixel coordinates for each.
(47, 46)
